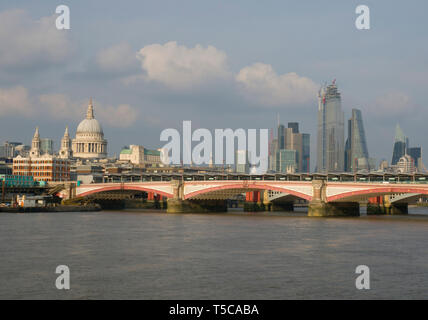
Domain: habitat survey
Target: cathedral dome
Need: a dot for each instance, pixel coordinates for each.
(89, 141)
(89, 126)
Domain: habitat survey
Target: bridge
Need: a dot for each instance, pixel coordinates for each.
(325, 197)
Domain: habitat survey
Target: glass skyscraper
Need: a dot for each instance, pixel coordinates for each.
(290, 139)
(46, 146)
(331, 135)
(281, 136)
(286, 161)
(306, 152)
(416, 154)
(356, 152)
(400, 145)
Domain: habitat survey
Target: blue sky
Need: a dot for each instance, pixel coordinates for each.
(244, 62)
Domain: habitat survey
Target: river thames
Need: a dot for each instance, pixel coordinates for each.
(152, 255)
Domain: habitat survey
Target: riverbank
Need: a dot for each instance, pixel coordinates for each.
(59, 208)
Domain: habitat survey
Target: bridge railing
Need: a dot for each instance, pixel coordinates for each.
(331, 177)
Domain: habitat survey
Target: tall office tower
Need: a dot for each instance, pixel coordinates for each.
(306, 152)
(272, 155)
(348, 148)
(356, 153)
(330, 142)
(400, 145)
(286, 161)
(294, 126)
(416, 154)
(291, 139)
(281, 136)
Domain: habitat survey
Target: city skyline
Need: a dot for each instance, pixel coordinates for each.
(221, 153)
(49, 86)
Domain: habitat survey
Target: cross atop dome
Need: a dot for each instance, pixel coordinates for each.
(90, 112)
(36, 133)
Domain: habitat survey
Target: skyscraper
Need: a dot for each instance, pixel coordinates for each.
(286, 161)
(330, 142)
(416, 154)
(400, 145)
(46, 146)
(356, 152)
(281, 136)
(294, 126)
(348, 156)
(306, 152)
(292, 140)
(272, 154)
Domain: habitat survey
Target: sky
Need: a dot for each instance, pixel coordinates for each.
(150, 65)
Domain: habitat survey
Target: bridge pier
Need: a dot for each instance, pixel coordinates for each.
(319, 207)
(387, 209)
(382, 205)
(196, 206)
(178, 204)
(253, 201)
(276, 205)
(333, 209)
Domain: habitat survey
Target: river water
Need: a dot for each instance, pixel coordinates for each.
(151, 255)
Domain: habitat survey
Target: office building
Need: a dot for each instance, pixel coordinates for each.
(141, 156)
(416, 154)
(330, 140)
(405, 165)
(400, 145)
(43, 167)
(286, 161)
(281, 137)
(306, 152)
(46, 146)
(291, 139)
(356, 152)
(273, 148)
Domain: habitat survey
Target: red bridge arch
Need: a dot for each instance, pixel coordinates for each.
(378, 191)
(249, 187)
(120, 187)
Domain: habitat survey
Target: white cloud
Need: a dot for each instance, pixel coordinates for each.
(181, 67)
(117, 58)
(25, 41)
(14, 101)
(261, 83)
